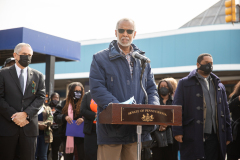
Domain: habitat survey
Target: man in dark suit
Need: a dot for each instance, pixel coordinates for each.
(22, 93)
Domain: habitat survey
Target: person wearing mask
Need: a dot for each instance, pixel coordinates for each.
(89, 111)
(167, 148)
(54, 100)
(66, 112)
(22, 93)
(114, 78)
(234, 106)
(173, 83)
(45, 137)
(9, 62)
(205, 131)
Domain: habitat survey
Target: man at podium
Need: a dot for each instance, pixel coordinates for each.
(114, 78)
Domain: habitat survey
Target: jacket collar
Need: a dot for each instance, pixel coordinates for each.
(114, 51)
(194, 74)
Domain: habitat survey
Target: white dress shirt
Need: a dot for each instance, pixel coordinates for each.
(24, 75)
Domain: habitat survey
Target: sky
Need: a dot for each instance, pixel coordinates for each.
(79, 20)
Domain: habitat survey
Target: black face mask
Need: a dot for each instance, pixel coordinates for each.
(77, 94)
(25, 60)
(207, 68)
(164, 91)
(55, 102)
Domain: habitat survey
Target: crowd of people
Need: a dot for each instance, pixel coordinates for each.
(34, 130)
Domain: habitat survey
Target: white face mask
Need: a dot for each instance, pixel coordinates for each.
(77, 94)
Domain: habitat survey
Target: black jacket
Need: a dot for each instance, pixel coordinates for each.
(59, 118)
(12, 100)
(163, 138)
(233, 147)
(88, 114)
(234, 106)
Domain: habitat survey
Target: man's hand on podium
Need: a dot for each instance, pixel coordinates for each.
(179, 138)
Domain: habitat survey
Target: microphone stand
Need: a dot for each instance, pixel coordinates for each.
(139, 127)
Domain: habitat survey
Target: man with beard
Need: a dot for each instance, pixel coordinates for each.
(22, 93)
(205, 129)
(114, 78)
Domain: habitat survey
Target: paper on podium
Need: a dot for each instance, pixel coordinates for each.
(129, 101)
(74, 129)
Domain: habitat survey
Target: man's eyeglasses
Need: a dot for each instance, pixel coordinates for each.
(129, 31)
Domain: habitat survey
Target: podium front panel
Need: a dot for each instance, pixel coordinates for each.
(141, 114)
(131, 114)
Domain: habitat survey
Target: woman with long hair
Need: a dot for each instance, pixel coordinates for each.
(234, 106)
(66, 112)
(167, 146)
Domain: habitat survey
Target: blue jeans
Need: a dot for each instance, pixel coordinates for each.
(42, 148)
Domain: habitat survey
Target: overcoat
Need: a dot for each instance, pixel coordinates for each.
(189, 94)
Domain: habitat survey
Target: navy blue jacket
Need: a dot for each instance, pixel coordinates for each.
(111, 82)
(189, 94)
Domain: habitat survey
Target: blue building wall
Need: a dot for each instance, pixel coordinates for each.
(167, 51)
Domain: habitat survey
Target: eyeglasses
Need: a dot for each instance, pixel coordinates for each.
(129, 31)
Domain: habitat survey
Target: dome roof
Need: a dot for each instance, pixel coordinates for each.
(211, 16)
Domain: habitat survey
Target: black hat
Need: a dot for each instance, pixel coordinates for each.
(8, 60)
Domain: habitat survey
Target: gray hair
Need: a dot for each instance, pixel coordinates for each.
(126, 19)
(18, 47)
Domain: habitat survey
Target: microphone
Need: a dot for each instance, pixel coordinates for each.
(141, 57)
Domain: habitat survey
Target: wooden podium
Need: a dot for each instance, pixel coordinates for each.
(141, 114)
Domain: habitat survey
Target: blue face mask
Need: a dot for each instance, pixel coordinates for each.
(77, 94)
